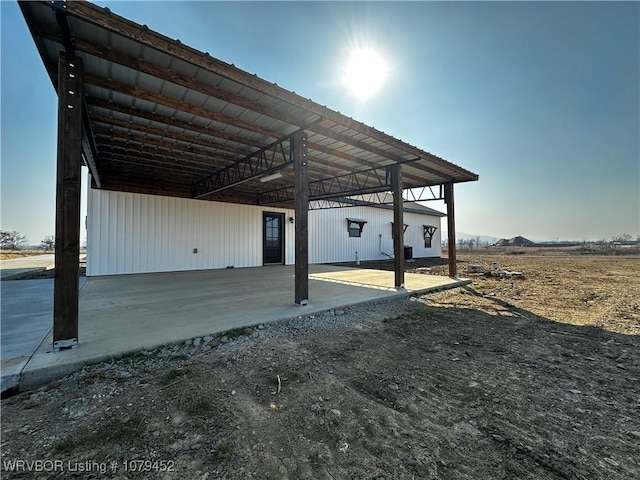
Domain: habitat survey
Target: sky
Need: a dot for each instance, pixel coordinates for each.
(541, 99)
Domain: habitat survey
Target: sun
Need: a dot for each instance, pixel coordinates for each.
(365, 73)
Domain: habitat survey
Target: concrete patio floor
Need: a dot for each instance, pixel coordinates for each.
(126, 313)
(18, 266)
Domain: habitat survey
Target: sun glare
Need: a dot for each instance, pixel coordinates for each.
(365, 73)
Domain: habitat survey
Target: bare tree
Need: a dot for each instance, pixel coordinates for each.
(625, 237)
(11, 240)
(48, 242)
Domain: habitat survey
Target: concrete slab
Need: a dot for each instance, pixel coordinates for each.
(127, 313)
(27, 317)
(18, 266)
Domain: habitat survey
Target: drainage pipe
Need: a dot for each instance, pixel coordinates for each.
(380, 247)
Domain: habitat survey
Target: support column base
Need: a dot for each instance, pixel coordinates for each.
(65, 344)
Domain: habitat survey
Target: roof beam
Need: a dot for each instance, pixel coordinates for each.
(187, 158)
(160, 133)
(153, 117)
(137, 112)
(141, 34)
(160, 99)
(171, 162)
(178, 79)
(89, 146)
(327, 132)
(150, 171)
(155, 144)
(139, 141)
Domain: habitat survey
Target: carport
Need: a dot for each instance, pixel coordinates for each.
(147, 114)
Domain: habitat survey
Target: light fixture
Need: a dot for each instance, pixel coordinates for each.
(268, 178)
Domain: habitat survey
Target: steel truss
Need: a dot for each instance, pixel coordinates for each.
(371, 181)
(422, 194)
(265, 161)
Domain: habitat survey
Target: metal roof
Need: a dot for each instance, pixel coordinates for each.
(164, 118)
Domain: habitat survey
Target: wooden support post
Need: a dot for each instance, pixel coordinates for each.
(301, 191)
(69, 162)
(398, 225)
(451, 229)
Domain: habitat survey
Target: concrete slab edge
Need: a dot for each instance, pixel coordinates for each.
(34, 378)
(24, 272)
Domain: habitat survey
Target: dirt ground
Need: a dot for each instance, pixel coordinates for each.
(532, 378)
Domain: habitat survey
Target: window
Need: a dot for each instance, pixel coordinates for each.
(428, 235)
(404, 230)
(355, 226)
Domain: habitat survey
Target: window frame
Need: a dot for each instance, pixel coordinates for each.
(355, 227)
(428, 232)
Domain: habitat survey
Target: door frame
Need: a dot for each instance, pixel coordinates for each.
(264, 236)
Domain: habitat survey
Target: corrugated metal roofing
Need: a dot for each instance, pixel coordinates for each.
(164, 115)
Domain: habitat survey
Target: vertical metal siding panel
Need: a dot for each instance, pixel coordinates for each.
(157, 229)
(105, 247)
(241, 229)
(97, 223)
(135, 241)
(229, 257)
(113, 232)
(209, 231)
(168, 234)
(241, 241)
(167, 222)
(129, 233)
(250, 216)
(143, 225)
(107, 239)
(120, 231)
(181, 234)
(151, 245)
(237, 230)
(253, 231)
(91, 219)
(190, 258)
(160, 219)
(193, 259)
(175, 234)
(222, 232)
(200, 219)
(187, 248)
(215, 235)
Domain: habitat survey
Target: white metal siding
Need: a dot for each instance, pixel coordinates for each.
(135, 233)
(329, 240)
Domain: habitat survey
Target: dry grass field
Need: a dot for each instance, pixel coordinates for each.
(12, 254)
(532, 378)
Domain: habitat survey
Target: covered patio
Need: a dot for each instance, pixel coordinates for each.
(148, 114)
(123, 314)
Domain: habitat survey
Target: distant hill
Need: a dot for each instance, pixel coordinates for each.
(514, 242)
